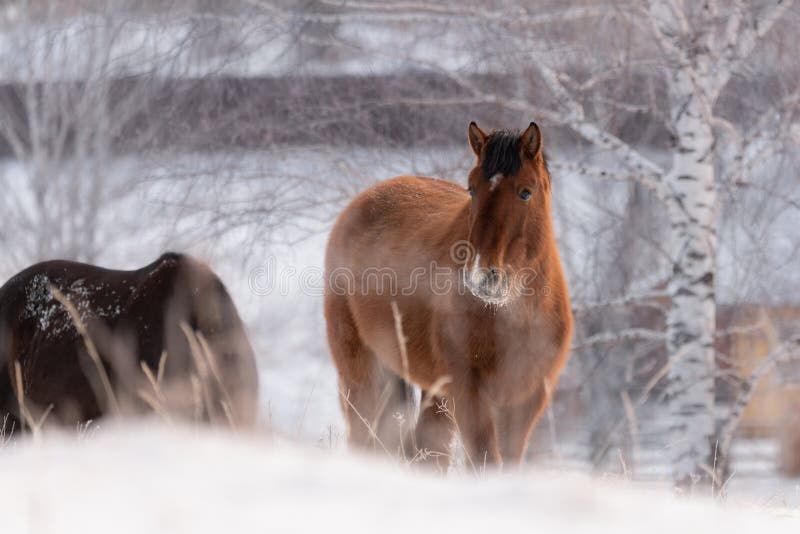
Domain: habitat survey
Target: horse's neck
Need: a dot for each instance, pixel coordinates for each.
(546, 256)
(547, 238)
(458, 230)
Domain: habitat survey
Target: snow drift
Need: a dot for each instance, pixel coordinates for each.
(156, 479)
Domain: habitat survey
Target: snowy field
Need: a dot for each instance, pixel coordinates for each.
(154, 479)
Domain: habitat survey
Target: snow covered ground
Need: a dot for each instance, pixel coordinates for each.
(155, 479)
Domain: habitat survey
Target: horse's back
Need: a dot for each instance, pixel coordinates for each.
(394, 216)
(38, 338)
(132, 316)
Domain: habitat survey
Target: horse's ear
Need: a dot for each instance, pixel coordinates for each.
(477, 139)
(531, 142)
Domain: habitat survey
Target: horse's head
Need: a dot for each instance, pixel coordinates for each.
(509, 214)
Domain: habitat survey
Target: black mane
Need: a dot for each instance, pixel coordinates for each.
(502, 154)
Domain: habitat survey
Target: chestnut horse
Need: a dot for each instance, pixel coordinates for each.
(133, 319)
(483, 305)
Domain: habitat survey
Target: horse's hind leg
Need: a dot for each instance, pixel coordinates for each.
(393, 417)
(370, 395)
(376, 406)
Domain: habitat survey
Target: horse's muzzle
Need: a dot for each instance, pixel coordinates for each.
(488, 284)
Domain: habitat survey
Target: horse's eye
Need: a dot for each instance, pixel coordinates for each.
(471, 192)
(524, 194)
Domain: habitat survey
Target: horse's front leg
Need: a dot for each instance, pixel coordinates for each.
(467, 403)
(433, 433)
(476, 427)
(514, 425)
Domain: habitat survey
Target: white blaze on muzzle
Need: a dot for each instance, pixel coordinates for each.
(474, 276)
(491, 287)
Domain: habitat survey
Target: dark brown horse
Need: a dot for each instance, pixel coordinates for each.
(482, 303)
(148, 318)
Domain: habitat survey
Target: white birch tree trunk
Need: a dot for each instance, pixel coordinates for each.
(691, 316)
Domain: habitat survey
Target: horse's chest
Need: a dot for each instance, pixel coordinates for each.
(509, 358)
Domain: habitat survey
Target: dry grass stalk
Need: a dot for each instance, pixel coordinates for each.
(27, 418)
(6, 432)
(203, 372)
(207, 370)
(111, 399)
(211, 361)
(156, 399)
(442, 408)
(367, 425)
(197, 397)
(402, 344)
